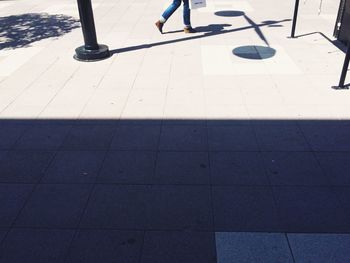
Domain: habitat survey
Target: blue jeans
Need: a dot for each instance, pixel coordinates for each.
(175, 5)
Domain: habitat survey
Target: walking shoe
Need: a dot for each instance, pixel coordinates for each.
(160, 25)
(189, 30)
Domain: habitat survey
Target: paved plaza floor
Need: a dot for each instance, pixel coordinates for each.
(227, 145)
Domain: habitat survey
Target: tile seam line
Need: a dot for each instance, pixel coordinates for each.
(290, 247)
(58, 91)
(93, 187)
(93, 228)
(30, 84)
(83, 212)
(30, 194)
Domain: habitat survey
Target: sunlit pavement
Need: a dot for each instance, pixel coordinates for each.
(227, 145)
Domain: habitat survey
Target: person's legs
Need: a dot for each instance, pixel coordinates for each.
(170, 10)
(187, 13)
(187, 18)
(167, 13)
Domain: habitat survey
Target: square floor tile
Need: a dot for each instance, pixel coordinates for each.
(108, 246)
(175, 247)
(12, 199)
(343, 194)
(310, 209)
(54, 206)
(182, 168)
(3, 232)
(327, 137)
(320, 248)
(122, 207)
(294, 168)
(10, 134)
(24, 166)
(89, 137)
(74, 167)
(181, 207)
(136, 137)
(243, 208)
(232, 138)
(336, 167)
(43, 137)
(35, 245)
(252, 247)
(237, 168)
(280, 138)
(183, 138)
(128, 167)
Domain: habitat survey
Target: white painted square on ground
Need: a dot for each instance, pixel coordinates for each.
(220, 60)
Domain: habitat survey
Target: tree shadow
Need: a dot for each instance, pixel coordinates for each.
(18, 31)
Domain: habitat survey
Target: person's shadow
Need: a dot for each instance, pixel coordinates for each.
(204, 29)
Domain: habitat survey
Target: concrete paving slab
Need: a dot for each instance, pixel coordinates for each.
(320, 247)
(252, 247)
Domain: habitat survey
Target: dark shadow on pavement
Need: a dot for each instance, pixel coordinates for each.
(18, 31)
(92, 189)
(254, 52)
(193, 37)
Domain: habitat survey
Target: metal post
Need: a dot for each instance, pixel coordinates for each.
(296, 8)
(345, 69)
(91, 51)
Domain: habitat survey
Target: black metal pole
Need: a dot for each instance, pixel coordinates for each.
(296, 8)
(345, 69)
(91, 50)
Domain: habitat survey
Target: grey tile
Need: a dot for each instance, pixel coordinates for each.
(184, 138)
(74, 167)
(237, 168)
(320, 248)
(182, 168)
(54, 206)
(89, 137)
(122, 207)
(252, 248)
(310, 209)
(3, 232)
(281, 138)
(336, 167)
(3, 154)
(175, 247)
(294, 168)
(232, 138)
(328, 137)
(128, 167)
(136, 137)
(181, 207)
(243, 208)
(343, 194)
(47, 137)
(24, 166)
(108, 246)
(12, 199)
(10, 134)
(35, 245)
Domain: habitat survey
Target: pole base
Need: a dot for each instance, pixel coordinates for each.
(341, 87)
(83, 54)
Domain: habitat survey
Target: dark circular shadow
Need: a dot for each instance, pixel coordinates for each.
(229, 13)
(254, 52)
